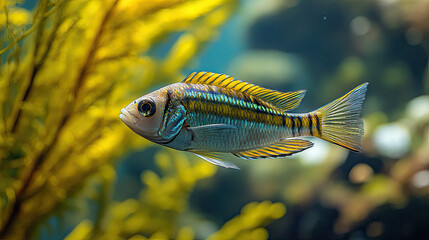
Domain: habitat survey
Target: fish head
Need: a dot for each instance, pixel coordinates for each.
(145, 114)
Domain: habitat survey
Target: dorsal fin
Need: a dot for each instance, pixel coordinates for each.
(284, 101)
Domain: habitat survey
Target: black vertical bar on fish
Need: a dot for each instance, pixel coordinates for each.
(284, 120)
(299, 125)
(318, 124)
(310, 123)
(293, 125)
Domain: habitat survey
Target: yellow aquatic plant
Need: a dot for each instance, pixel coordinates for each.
(67, 68)
(155, 214)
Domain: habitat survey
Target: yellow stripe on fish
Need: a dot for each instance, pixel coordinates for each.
(225, 103)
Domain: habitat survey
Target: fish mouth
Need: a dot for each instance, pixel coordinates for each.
(127, 117)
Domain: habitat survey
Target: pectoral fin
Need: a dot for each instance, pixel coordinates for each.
(214, 158)
(283, 148)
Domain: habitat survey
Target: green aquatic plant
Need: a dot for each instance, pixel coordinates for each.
(67, 68)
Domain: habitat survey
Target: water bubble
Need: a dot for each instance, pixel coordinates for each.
(392, 140)
(360, 26)
(418, 108)
(360, 173)
(421, 179)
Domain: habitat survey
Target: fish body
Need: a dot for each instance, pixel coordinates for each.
(256, 122)
(208, 113)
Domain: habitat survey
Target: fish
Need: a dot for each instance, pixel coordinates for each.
(210, 114)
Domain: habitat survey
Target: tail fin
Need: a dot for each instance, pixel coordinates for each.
(340, 119)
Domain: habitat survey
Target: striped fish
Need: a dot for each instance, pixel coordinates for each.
(209, 113)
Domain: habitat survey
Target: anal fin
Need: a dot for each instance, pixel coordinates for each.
(282, 148)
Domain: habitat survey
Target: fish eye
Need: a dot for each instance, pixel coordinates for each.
(146, 107)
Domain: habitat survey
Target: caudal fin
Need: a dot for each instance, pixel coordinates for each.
(340, 119)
